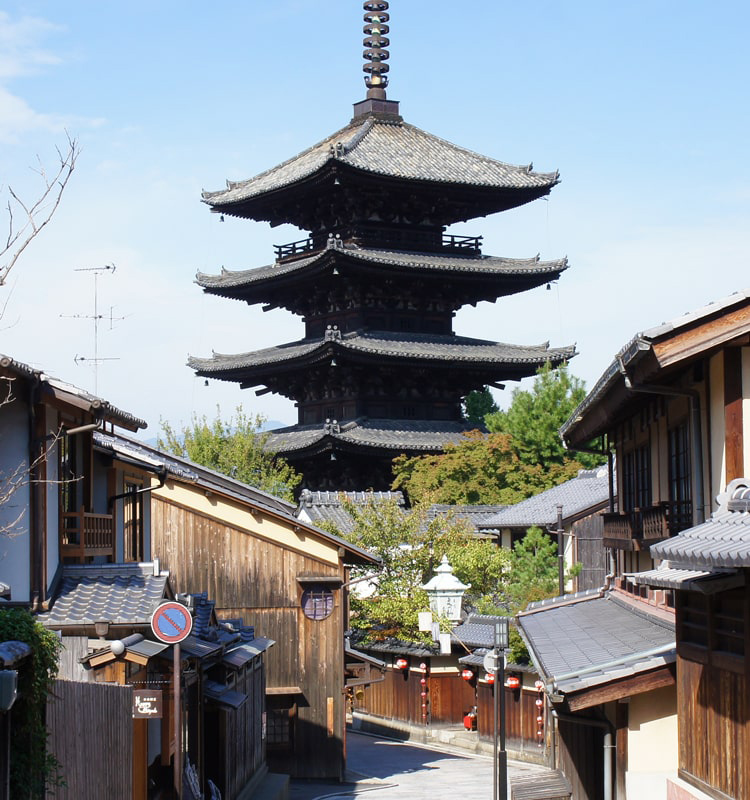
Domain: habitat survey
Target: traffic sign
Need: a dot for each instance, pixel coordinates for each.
(490, 662)
(171, 623)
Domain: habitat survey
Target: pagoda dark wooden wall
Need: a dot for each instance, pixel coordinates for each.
(255, 577)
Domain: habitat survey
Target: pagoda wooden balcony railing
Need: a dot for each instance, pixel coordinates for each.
(632, 530)
(84, 535)
(399, 240)
(293, 249)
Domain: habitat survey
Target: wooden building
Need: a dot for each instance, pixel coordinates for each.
(672, 406)
(259, 563)
(377, 281)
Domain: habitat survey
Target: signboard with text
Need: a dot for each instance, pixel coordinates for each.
(147, 704)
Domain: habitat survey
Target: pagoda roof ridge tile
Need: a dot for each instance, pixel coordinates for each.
(414, 154)
(484, 264)
(387, 343)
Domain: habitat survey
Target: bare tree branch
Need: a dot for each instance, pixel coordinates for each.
(35, 215)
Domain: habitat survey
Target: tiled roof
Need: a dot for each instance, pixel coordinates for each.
(593, 639)
(388, 148)
(123, 594)
(482, 266)
(320, 507)
(97, 406)
(637, 348)
(477, 516)
(389, 434)
(477, 631)
(721, 541)
(456, 350)
(587, 492)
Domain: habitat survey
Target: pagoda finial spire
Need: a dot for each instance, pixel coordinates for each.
(375, 42)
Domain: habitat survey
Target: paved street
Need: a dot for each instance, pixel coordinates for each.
(391, 770)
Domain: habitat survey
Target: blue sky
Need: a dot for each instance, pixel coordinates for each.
(642, 106)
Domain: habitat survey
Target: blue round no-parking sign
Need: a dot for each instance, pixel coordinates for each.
(171, 622)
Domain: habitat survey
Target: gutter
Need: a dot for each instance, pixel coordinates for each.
(608, 753)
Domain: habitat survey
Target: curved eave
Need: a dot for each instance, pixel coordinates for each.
(434, 352)
(365, 436)
(254, 285)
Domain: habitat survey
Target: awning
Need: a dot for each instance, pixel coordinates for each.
(222, 694)
(691, 580)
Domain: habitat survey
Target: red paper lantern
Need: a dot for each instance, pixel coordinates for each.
(423, 666)
(423, 681)
(513, 682)
(539, 702)
(490, 677)
(539, 685)
(467, 674)
(401, 663)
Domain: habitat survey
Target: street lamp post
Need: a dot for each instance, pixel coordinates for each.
(500, 756)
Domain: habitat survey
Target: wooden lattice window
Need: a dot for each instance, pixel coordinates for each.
(317, 602)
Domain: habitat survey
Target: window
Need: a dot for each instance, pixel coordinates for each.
(680, 490)
(132, 521)
(317, 602)
(636, 479)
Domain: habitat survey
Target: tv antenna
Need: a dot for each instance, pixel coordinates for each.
(97, 318)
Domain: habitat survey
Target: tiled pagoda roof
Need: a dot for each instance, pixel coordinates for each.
(455, 351)
(524, 270)
(388, 148)
(363, 434)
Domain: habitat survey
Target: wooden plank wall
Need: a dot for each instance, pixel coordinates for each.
(398, 697)
(97, 760)
(254, 578)
(590, 552)
(714, 727)
(580, 755)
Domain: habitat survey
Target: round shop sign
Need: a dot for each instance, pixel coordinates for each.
(490, 662)
(171, 623)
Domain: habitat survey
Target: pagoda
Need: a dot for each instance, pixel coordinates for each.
(378, 282)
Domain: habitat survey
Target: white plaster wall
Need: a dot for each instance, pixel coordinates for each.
(746, 411)
(14, 547)
(652, 743)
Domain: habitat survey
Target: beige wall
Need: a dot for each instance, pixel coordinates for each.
(652, 743)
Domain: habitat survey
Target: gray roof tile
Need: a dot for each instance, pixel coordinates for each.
(584, 642)
(588, 491)
(485, 265)
(721, 541)
(123, 594)
(321, 507)
(388, 148)
(417, 347)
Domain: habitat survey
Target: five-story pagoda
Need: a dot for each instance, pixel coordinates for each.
(378, 283)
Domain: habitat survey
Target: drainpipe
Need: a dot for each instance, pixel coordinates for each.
(608, 749)
(693, 396)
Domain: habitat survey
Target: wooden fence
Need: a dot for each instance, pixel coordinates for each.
(449, 698)
(91, 735)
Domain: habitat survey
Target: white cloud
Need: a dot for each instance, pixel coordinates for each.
(20, 52)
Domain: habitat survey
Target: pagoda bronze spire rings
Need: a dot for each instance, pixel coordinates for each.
(376, 18)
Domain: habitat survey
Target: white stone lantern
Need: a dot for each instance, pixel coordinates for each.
(446, 592)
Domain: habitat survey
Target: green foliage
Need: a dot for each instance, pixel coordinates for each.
(477, 405)
(535, 417)
(33, 767)
(411, 546)
(480, 468)
(235, 447)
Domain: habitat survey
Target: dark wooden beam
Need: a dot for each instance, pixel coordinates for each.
(733, 429)
(625, 687)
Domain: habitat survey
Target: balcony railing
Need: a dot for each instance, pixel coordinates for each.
(631, 530)
(84, 535)
(297, 248)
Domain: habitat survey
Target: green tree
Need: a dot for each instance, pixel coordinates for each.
(477, 405)
(33, 769)
(533, 570)
(535, 417)
(411, 545)
(479, 468)
(236, 447)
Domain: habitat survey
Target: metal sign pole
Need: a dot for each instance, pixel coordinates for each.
(177, 727)
(503, 755)
(496, 692)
